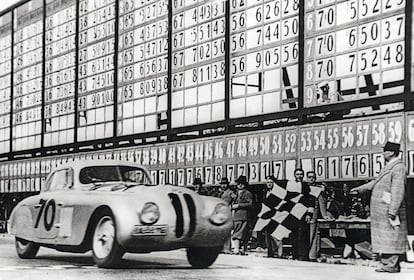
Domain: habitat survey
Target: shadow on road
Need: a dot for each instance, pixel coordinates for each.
(127, 263)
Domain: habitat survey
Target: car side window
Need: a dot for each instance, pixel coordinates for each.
(59, 180)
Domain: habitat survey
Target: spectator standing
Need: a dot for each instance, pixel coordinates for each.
(274, 246)
(241, 206)
(228, 195)
(320, 211)
(301, 237)
(198, 186)
(388, 213)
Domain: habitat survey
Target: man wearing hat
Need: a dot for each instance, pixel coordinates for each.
(388, 216)
(241, 206)
(198, 186)
(228, 195)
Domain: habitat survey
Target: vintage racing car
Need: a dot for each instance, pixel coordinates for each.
(111, 207)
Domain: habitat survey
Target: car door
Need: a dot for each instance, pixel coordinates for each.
(49, 204)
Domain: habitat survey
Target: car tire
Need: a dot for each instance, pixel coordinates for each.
(202, 257)
(26, 249)
(106, 251)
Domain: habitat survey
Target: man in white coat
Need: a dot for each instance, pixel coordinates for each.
(388, 214)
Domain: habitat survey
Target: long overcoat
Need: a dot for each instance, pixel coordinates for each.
(385, 238)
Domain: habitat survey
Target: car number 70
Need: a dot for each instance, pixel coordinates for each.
(46, 206)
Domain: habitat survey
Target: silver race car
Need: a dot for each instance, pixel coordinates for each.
(111, 207)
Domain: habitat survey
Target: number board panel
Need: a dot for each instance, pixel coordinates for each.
(198, 65)
(142, 65)
(354, 50)
(348, 137)
(96, 72)
(5, 81)
(27, 75)
(264, 52)
(60, 60)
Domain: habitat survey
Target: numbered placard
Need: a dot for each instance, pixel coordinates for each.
(320, 168)
(254, 173)
(347, 167)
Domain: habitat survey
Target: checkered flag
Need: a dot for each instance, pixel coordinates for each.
(283, 208)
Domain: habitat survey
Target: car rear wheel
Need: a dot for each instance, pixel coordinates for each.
(26, 249)
(105, 248)
(202, 257)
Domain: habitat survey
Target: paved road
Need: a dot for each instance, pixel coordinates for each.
(51, 264)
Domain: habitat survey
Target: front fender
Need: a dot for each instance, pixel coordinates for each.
(21, 223)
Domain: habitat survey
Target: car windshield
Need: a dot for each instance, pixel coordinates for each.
(113, 173)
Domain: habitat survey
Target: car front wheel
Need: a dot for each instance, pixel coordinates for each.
(202, 257)
(26, 249)
(106, 250)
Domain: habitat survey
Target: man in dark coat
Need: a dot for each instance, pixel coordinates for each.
(319, 212)
(241, 206)
(388, 216)
(228, 195)
(198, 187)
(301, 236)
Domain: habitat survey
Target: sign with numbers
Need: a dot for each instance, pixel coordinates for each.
(27, 75)
(60, 54)
(96, 73)
(5, 81)
(142, 65)
(264, 52)
(198, 65)
(351, 136)
(354, 50)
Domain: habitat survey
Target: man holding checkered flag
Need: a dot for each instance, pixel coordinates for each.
(287, 210)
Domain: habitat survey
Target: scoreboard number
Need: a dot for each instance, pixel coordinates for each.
(347, 165)
(320, 168)
(277, 169)
(230, 172)
(172, 179)
(254, 171)
(189, 176)
(209, 175)
(333, 168)
(181, 177)
(154, 177)
(199, 173)
(362, 166)
(218, 174)
(377, 163)
(161, 177)
(241, 169)
(264, 170)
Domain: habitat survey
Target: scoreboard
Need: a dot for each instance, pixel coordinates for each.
(142, 65)
(60, 57)
(5, 80)
(198, 62)
(353, 49)
(264, 56)
(27, 75)
(337, 151)
(73, 71)
(96, 69)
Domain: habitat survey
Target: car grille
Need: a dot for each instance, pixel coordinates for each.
(178, 207)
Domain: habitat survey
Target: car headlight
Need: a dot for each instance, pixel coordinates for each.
(150, 213)
(220, 215)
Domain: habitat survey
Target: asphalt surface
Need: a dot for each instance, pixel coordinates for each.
(50, 264)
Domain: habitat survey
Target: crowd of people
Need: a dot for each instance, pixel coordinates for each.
(245, 205)
(386, 211)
